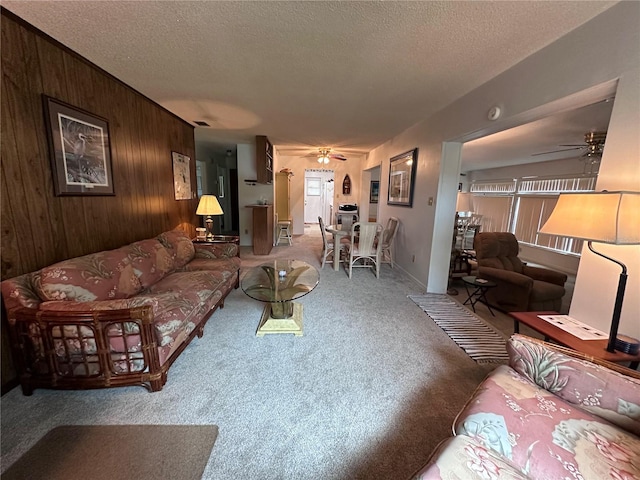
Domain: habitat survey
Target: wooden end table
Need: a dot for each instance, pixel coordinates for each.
(594, 348)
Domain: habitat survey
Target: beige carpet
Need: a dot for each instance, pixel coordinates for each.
(114, 452)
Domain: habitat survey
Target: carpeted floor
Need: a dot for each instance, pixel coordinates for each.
(117, 452)
(367, 393)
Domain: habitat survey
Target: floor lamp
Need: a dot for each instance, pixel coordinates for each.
(209, 206)
(602, 217)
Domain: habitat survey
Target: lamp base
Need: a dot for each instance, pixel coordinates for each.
(627, 344)
(209, 224)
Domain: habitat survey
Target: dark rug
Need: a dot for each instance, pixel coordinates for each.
(479, 340)
(114, 452)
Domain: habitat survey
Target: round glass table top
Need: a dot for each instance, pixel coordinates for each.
(280, 280)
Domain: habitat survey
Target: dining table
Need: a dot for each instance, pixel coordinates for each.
(338, 233)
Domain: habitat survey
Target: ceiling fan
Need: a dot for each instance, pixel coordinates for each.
(593, 147)
(324, 154)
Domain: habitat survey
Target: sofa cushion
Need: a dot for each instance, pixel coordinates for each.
(542, 434)
(179, 245)
(195, 294)
(227, 266)
(150, 259)
(104, 275)
(216, 250)
(462, 458)
(21, 291)
(594, 388)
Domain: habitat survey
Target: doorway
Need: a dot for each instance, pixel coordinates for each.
(318, 195)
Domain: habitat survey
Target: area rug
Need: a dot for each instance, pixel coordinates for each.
(479, 340)
(114, 452)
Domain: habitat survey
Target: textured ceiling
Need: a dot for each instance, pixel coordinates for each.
(349, 75)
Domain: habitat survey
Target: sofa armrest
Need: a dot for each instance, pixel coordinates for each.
(90, 347)
(217, 250)
(602, 388)
(545, 275)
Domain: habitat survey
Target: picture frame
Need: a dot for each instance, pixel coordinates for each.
(374, 192)
(181, 176)
(402, 176)
(80, 150)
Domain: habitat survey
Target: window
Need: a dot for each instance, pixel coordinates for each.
(522, 206)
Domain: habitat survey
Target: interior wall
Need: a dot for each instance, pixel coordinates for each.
(597, 280)
(549, 76)
(249, 193)
(38, 228)
(297, 165)
(567, 166)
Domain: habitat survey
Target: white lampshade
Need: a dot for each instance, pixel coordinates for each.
(209, 205)
(604, 217)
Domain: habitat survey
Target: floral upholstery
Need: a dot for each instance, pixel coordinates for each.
(105, 275)
(150, 259)
(178, 243)
(21, 291)
(542, 434)
(577, 421)
(462, 458)
(595, 388)
(217, 250)
(162, 273)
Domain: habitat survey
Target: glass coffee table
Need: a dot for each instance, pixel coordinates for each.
(279, 283)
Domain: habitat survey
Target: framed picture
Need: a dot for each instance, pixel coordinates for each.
(79, 149)
(181, 176)
(402, 176)
(374, 191)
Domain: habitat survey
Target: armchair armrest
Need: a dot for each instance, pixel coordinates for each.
(545, 275)
(512, 291)
(500, 276)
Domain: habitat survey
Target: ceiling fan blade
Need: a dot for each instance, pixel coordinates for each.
(572, 145)
(338, 156)
(558, 151)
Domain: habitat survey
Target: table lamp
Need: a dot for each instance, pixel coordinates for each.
(209, 206)
(602, 217)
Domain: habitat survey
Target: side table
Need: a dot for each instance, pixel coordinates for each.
(479, 294)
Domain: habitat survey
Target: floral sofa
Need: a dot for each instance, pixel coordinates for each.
(550, 414)
(117, 317)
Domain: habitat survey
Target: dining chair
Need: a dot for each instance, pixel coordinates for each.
(328, 246)
(389, 233)
(365, 247)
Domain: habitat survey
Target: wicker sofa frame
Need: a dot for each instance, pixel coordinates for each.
(26, 324)
(74, 349)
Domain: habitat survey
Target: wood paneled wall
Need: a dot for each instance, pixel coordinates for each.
(38, 228)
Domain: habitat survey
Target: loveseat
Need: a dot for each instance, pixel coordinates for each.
(550, 414)
(117, 317)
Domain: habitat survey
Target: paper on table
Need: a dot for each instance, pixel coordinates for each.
(574, 327)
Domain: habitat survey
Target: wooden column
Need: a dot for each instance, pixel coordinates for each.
(262, 229)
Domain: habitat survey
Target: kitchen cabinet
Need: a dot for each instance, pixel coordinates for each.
(264, 159)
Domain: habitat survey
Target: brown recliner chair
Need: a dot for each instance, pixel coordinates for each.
(521, 288)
